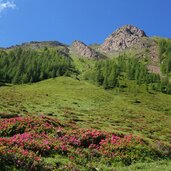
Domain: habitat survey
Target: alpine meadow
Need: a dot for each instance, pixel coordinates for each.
(78, 107)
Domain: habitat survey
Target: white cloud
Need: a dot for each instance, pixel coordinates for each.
(4, 5)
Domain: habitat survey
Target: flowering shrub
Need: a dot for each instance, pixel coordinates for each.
(19, 125)
(83, 137)
(19, 157)
(24, 142)
(41, 144)
(89, 137)
(127, 149)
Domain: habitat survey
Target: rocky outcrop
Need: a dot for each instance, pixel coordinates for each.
(81, 49)
(154, 65)
(125, 37)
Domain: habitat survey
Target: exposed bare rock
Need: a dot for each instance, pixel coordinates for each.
(154, 54)
(154, 66)
(154, 69)
(83, 50)
(125, 37)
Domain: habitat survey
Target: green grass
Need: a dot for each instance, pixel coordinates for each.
(145, 114)
(83, 64)
(92, 106)
(163, 165)
(155, 166)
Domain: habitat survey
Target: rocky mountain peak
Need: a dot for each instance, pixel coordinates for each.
(125, 37)
(83, 50)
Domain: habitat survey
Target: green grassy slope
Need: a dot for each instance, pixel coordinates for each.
(90, 106)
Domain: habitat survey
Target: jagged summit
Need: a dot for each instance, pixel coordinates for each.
(83, 50)
(125, 37)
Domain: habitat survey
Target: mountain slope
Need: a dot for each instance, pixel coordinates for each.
(92, 106)
(97, 107)
(39, 45)
(80, 107)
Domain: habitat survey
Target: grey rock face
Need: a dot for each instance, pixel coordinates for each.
(125, 37)
(83, 50)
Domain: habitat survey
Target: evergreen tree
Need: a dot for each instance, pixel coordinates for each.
(36, 65)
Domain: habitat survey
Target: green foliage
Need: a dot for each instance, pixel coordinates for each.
(165, 55)
(25, 66)
(79, 103)
(110, 73)
(161, 165)
(34, 139)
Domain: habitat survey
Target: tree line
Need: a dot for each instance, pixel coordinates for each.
(27, 66)
(112, 73)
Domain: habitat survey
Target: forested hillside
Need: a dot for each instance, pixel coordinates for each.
(116, 72)
(26, 66)
(20, 65)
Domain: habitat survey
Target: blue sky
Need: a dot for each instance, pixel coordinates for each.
(90, 21)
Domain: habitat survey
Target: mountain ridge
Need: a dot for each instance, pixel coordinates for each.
(126, 39)
(123, 38)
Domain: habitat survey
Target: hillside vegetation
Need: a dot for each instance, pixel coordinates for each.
(87, 108)
(81, 105)
(26, 65)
